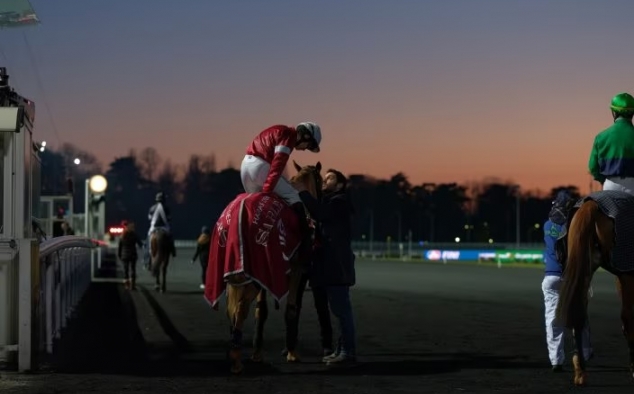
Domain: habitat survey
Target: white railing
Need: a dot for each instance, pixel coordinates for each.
(65, 274)
(53, 277)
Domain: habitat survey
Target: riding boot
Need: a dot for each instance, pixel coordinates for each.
(305, 246)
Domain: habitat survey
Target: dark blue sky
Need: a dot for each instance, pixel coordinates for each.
(443, 90)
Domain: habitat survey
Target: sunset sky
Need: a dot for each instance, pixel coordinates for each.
(444, 91)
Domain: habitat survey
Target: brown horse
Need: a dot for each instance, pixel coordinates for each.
(242, 291)
(590, 245)
(161, 246)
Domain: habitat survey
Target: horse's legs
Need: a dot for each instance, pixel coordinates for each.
(239, 300)
(297, 285)
(156, 272)
(578, 359)
(261, 315)
(163, 275)
(625, 288)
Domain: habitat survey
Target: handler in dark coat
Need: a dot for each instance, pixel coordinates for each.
(127, 253)
(334, 260)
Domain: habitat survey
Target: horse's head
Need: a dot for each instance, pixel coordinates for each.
(311, 177)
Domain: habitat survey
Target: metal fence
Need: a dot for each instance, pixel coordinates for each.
(64, 277)
(48, 281)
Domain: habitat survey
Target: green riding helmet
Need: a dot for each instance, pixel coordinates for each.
(622, 103)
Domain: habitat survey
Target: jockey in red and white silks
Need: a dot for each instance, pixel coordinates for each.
(266, 158)
(268, 153)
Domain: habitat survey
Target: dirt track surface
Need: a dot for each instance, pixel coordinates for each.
(422, 328)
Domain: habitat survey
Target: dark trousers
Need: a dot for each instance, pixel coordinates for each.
(203, 266)
(129, 269)
(320, 299)
(341, 307)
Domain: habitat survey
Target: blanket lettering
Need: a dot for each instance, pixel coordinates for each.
(254, 239)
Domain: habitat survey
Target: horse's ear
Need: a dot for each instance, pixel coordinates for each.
(318, 166)
(297, 166)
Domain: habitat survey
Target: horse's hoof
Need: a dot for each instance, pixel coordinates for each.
(237, 368)
(292, 357)
(581, 380)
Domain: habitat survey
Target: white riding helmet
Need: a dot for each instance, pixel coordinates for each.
(315, 132)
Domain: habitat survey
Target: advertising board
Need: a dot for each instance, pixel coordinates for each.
(501, 256)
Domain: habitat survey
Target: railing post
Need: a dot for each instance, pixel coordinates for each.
(27, 303)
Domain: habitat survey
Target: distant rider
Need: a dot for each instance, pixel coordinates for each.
(160, 218)
(555, 228)
(266, 158)
(612, 157)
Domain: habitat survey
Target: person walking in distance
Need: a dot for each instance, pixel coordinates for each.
(127, 253)
(611, 160)
(334, 261)
(266, 158)
(554, 229)
(202, 252)
(160, 218)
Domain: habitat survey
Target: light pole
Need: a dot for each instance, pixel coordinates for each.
(94, 196)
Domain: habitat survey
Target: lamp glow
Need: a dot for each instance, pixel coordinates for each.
(98, 184)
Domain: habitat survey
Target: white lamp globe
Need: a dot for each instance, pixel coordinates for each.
(98, 184)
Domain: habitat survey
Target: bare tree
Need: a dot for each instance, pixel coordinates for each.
(149, 160)
(208, 164)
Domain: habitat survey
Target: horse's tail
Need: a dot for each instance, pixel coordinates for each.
(572, 306)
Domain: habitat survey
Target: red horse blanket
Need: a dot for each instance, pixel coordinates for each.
(255, 236)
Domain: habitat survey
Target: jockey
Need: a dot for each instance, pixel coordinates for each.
(612, 156)
(266, 158)
(160, 217)
(554, 229)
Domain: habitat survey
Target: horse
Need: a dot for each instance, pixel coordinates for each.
(161, 246)
(598, 236)
(272, 226)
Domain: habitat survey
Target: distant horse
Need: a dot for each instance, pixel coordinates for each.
(161, 246)
(254, 251)
(600, 234)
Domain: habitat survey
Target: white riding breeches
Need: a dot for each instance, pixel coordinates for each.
(621, 184)
(554, 333)
(254, 171)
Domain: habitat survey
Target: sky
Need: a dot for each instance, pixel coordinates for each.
(444, 91)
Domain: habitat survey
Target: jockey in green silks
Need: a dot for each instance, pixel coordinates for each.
(612, 156)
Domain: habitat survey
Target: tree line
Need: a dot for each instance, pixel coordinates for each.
(391, 208)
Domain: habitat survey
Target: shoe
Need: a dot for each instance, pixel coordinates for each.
(331, 356)
(327, 352)
(558, 368)
(284, 352)
(341, 360)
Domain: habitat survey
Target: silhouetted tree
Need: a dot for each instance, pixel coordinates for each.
(198, 192)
